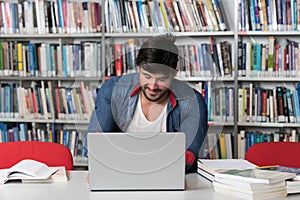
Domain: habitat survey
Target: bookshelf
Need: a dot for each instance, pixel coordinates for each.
(48, 77)
(275, 80)
(98, 36)
(60, 35)
(218, 84)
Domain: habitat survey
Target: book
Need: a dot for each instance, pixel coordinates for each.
(209, 167)
(280, 104)
(220, 15)
(202, 15)
(59, 175)
(27, 169)
(178, 15)
(171, 14)
(255, 175)
(212, 15)
(293, 186)
(243, 195)
(257, 191)
(226, 57)
(249, 186)
(118, 59)
(283, 169)
(290, 108)
(222, 139)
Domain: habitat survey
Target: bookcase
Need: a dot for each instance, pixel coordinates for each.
(50, 68)
(268, 72)
(53, 60)
(60, 52)
(201, 61)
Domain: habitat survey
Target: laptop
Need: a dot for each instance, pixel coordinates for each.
(136, 161)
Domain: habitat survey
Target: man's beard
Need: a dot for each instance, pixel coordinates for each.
(161, 94)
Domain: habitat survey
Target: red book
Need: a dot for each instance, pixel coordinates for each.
(264, 105)
(57, 100)
(27, 100)
(276, 58)
(118, 58)
(35, 110)
(201, 11)
(65, 15)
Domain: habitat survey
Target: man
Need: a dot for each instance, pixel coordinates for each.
(152, 100)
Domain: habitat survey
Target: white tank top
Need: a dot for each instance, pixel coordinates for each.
(140, 124)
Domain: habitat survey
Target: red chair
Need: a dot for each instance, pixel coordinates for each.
(275, 153)
(52, 154)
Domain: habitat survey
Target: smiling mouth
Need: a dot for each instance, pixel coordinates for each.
(154, 92)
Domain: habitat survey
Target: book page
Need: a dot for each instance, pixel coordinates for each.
(30, 168)
(60, 175)
(3, 175)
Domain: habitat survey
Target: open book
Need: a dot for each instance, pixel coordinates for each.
(30, 171)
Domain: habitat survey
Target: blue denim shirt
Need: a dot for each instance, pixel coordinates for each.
(186, 111)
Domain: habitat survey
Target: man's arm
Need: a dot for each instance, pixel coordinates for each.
(195, 126)
(102, 118)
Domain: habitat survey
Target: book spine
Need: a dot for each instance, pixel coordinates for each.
(264, 15)
(296, 105)
(226, 57)
(178, 15)
(279, 15)
(219, 15)
(274, 15)
(264, 106)
(280, 104)
(171, 14)
(223, 146)
(118, 58)
(289, 99)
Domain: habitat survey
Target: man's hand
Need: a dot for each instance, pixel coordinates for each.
(189, 157)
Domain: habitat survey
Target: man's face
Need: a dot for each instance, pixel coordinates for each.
(155, 87)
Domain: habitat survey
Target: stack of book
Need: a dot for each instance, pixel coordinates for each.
(208, 167)
(292, 185)
(252, 183)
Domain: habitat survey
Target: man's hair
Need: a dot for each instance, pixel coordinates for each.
(158, 54)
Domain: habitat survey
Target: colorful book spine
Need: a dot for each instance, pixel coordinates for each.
(280, 104)
(118, 58)
(271, 56)
(223, 147)
(269, 14)
(60, 16)
(20, 59)
(289, 99)
(31, 59)
(220, 16)
(296, 105)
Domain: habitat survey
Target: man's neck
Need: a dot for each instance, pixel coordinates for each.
(152, 110)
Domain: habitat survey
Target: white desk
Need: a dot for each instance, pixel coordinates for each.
(77, 189)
